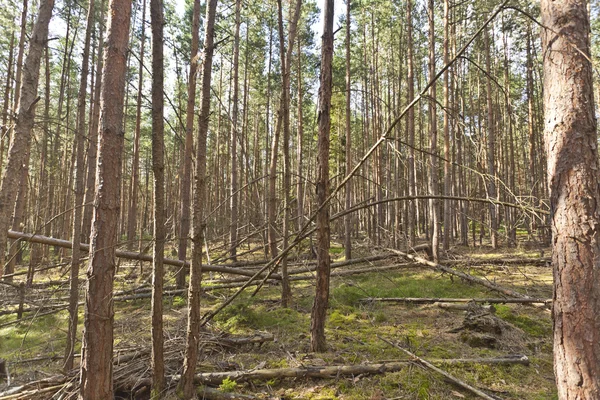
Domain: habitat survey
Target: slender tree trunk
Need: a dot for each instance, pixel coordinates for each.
(36, 249)
(286, 293)
(300, 142)
(20, 55)
(233, 203)
(512, 166)
(6, 105)
(97, 345)
(78, 146)
(491, 144)
(93, 135)
(348, 149)
(184, 227)
(186, 384)
(158, 168)
(571, 148)
(531, 124)
(319, 309)
(433, 161)
(412, 189)
(135, 163)
(447, 162)
(24, 122)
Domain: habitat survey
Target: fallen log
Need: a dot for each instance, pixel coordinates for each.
(465, 307)
(544, 261)
(334, 371)
(238, 341)
(130, 255)
(427, 300)
(446, 375)
(462, 275)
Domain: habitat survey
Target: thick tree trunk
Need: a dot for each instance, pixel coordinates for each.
(24, 122)
(184, 227)
(186, 384)
(158, 168)
(97, 345)
(78, 146)
(572, 156)
(319, 309)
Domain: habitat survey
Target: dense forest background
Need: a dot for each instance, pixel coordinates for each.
(488, 116)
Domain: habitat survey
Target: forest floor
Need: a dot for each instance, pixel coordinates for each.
(355, 329)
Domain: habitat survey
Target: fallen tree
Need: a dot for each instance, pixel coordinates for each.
(462, 275)
(130, 255)
(429, 300)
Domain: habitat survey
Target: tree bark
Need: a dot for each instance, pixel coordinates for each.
(233, 198)
(186, 385)
(572, 157)
(184, 227)
(135, 174)
(21, 137)
(158, 168)
(319, 309)
(433, 161)
(448, 225)
(93, 134)
(97, 345)
(78, 146)
(286, 65)
(412, 189)
(491, 143)
(348, 148)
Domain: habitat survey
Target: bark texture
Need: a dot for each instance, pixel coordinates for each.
(21, 137)
(79, 146)
(158, 168)
(572, 157)
(97, 346)
(319, 310)
(184, 227)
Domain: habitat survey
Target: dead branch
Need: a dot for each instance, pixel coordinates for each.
(465, 276)
(130, 255)
(425, 300)
(446, 375)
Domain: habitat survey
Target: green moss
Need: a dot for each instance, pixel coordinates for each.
(338, 319)
(534, 326)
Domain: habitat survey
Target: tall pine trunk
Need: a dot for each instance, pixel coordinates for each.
(21, 138)
(158, 168)
(319, 309)
(572, 156)
(78, 146)
(184, 227)
(97, 345)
